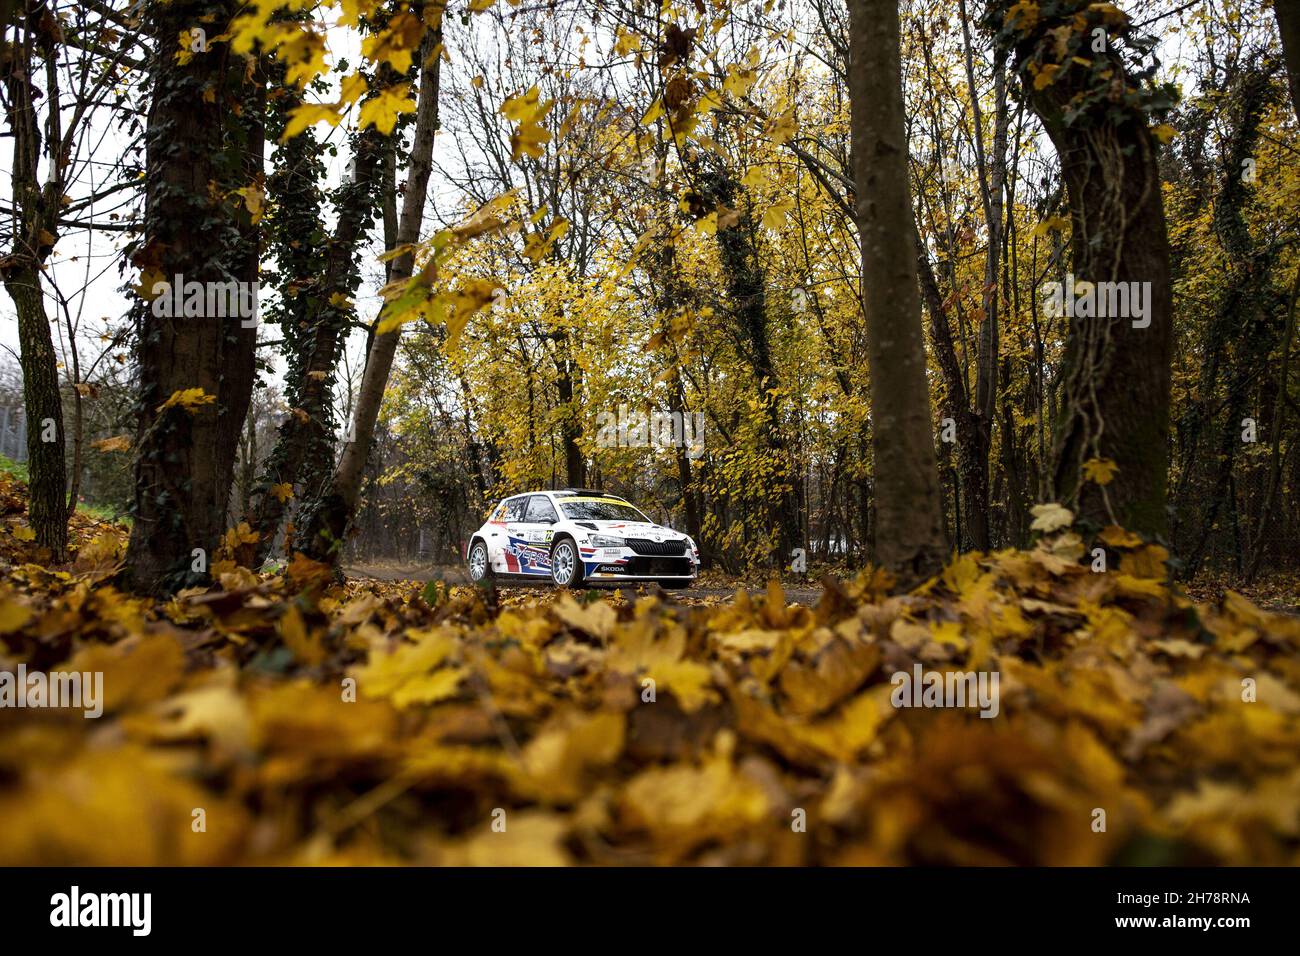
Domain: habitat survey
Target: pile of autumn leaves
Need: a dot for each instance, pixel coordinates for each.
(316, 723)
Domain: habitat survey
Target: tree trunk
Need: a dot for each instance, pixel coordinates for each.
(304, 445)
(972, 456)
(1116, 369)
(909, 536)
(47, 507)
(567, 371)
(198, 149)
(977, 434)
(37, 214)
(1288, 25)
(328, 518)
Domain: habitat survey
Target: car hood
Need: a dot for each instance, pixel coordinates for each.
(631, 529)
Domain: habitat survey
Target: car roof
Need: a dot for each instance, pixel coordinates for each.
(570, 494)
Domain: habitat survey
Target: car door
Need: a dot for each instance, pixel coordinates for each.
(507, 534)
(531, 536)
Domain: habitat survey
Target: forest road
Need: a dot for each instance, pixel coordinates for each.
(807, 596)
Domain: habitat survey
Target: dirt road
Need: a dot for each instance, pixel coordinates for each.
(807, 596)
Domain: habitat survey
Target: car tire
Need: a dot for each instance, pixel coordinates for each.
(566, 563)
(479, 558)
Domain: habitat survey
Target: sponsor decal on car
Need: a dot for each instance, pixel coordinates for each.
(528, 558)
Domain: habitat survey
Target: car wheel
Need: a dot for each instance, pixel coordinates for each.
(566, 566)
(480, 567)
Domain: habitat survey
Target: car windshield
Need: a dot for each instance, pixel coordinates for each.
(593, 510)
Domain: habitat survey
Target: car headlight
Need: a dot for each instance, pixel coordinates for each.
(605, 541)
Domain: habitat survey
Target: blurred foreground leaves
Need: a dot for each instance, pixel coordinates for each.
(316, 723)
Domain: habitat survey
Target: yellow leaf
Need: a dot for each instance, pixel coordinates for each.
(528, 111)
(1150, 562)
(414, 673)
(1050, 517)
(1099, 470)
(352, 88)
(1046, 76)
(293, 631)
(628, 41)
(782, 128)
(755, 178)
(1051, 224)
(185, 50)
(1117, 537)
(775, 215)
(382, 110)
(396, 44)
(309, 114)
(188, 399)
(253, 199)
(655, 111)
(13, 615)
(596, 619)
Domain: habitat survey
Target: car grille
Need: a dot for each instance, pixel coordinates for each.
(658, 548)
(677, 567)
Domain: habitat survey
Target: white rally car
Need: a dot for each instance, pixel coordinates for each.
(578, 536)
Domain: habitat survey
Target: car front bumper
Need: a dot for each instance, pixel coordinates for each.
(623, 564)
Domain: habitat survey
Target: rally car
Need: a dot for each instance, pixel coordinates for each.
(579, 536)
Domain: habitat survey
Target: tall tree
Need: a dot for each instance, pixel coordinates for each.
(909, 517)
(204, 144)
(328, 516)
(317, 279)
(1088, 76)
(46, 94)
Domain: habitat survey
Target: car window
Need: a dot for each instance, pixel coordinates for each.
(515, 508)
(591, 509)
(540, 509)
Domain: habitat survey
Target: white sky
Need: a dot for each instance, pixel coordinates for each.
(90, 260)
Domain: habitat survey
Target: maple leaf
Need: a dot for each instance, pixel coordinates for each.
(1050, 517)
(395, 44)
(382, 110)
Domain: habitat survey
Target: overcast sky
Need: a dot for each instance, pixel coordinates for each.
(91, 261)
